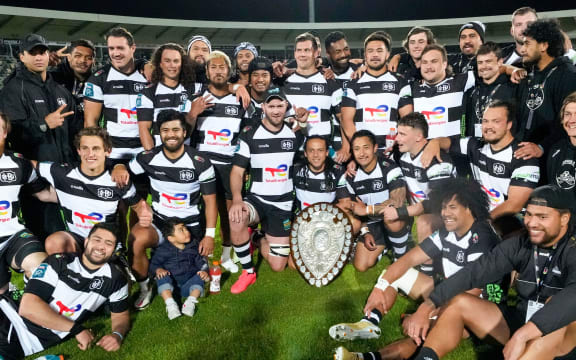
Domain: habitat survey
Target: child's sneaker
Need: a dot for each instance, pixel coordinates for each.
(229, 265)
(173, 311)
(189, 306)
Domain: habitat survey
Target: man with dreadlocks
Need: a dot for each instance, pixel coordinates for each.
(172, 87)
(465, 236)
(316, 180)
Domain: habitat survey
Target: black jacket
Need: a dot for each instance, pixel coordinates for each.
(560, 80)
(26, 100)
(407, 68)
(561, 168)
(479, 96)
(517, 253)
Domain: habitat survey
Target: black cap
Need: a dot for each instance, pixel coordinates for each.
(550, 196)
(477, 26)
(274, 93)
(260, 63)
(33, 40)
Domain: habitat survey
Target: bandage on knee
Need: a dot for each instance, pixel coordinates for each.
(252, 213)
(282, 250)
(405, 282)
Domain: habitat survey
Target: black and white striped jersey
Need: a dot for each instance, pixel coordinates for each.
(496, 171)
(118, 94)
(176, 185)
(312, 188)
(158, 97)
(443, 104)
(373, 187)
(74, 292)
(420, 180)
(15, 171)
(86, 200)
(343, 80)
(319, 96)
(270, 157)
(217, 128)
(377, 100)
(453, 252)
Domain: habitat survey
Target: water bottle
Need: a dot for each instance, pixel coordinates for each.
(51, 357)
(390, 138)
(215, 275)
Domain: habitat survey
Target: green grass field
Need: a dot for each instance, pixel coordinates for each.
(280, 317)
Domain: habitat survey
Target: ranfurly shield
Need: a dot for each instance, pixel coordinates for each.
(321, 243)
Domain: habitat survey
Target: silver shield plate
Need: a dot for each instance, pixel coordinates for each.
(321, 243)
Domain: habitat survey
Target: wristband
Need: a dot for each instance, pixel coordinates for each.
(302, 124)
(235, 87)
(382, 284)
(402, 212)
(364, 230)
(119, 335)
(76, 329)
(211, 232)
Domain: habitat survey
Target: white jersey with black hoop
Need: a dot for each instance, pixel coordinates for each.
(270, 157)
(176, 186)
(118, 94)
(312, 188)
(443, 104)
(86, 200)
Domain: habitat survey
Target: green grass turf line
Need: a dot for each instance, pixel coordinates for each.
(280, 317)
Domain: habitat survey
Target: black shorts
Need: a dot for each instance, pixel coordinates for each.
(378, 230)
(141, 182)
(223, 179)
(10, 348)
(514, 318)
(275, 221)
(19, 245)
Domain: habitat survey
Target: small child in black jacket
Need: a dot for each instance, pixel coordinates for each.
(177, 262)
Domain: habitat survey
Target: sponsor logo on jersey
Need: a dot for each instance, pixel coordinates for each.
(61, 101)
(377, 185)
(139, 87)
(314, 113)
(92, 218)
(281, 170)
(131, 115)
(89, 89)
(96, 284)
(418, 195)
(186, 175)
(437, 113)
(40, 271)
(222, 135)
(498, 168)
(318, 89)
(287, 144)
(65, 310)
(388, 86)
(493, 194)
(231, 110)
(460, 256)
(105, 193)
(443, 88)
(7, 176)
(4, 206)
(378, 113)
(176, 199)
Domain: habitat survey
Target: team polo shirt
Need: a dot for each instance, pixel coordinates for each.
(496, 171)
(419, 179)
(270, 156)
(312, 188)
(377, 100)
(455, 252)
(15, 172)
(373, 187)
(443, 104)
(72, 291)
(118, 93)
(86, 200)
(177, 185)
(217, 128)
(319, 96)
(158, 97)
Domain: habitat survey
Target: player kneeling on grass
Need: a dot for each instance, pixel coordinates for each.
(542, 325)
(177, 262)
(465, 236)
(63, 292)
(377, 182)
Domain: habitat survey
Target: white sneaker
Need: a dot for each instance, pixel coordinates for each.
(229, 265)
(189, 306)
(351, 331)
(173, 311)
(143, 299)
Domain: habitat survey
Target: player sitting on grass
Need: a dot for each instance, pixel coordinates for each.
(177, 262)
(465, 236)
